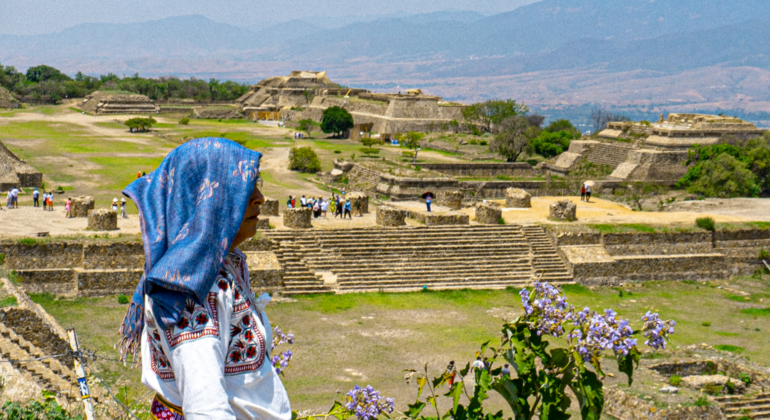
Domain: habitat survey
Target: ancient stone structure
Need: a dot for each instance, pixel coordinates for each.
(450, 198)
(363, 201)
(263, 223)
(297, 218)
(564, 210)
(481, 170)
(488, 213)
(517, 198)
(644, 151)
(81, 205)
(103, 103)
(269, 207)
(390, 216)
(267, 99)
(441, 218)
(102, 219)
(14, 172)
(7, 101)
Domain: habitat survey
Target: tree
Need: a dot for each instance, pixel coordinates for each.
(513, 138)
(563, 125)
(307, 125)
(43, 73)
(639, 192)
(492, 112)
(549, 144)
(140, 124)
(304, 159)
(411, 140)
(600, 118)
(369, 144)
(455, 125)
(336, 120)
(725, 177)
(309, 95)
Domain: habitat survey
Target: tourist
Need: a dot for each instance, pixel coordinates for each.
(50, 200)
(288, 203)
(36, 198)
(115, 205)
(123, 213)
(316, 209)
(303, 201)
(450, 373)
(357, 206)
(67, 208)
(324, 207)
(15, 193)
(293, 202)
(333, 205)
(428, 201)
(588, 193)
(138, 175)
(506, 373)
(477, 364)
(583, 192)
(199, 328)
(347, 210)
(144, 173)
(343, 192)
(9, 200)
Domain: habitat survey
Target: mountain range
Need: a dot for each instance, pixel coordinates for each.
(634, 40)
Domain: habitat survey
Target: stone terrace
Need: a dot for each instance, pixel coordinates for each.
(406, 259)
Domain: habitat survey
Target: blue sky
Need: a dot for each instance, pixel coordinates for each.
(48, 16)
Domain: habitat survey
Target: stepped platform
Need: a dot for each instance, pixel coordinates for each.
(409, 259)
(739, 407)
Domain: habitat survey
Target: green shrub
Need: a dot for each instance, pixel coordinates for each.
(32, 409)
(407, 153)
(338, 151)
(122, 299)
(417, 167)
(706, 323)
(745, 378)
(304, 159)
(370, 151)
(713, 389)
(184, 121)
(2, 259)
(702, 401)
(532, 162)
(763, 254)
(501, 221)
(473, 142)
(730, 386)
(27, 241)
(140, 124)
(705, 223)
(675, 380)
(483, 142)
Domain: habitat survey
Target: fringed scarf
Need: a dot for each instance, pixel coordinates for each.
(190, 209)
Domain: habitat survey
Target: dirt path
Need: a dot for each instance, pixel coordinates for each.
(28, 221)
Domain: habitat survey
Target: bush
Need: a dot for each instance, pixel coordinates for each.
(338, 151)
(483, 142)
(501, 221)
(551, 144)
(746, 379)
(139, 124)
(675, 380)
(304, 159)
(473, 142)
(122, 299)
(705, 223)
(336, 120)
(407, 154)
(370, 151)
(713, 389)
(702, 401)
(32, 409)
(184, 121)
(763, 254)
(730, 387)
(706, 323)
(2, 259)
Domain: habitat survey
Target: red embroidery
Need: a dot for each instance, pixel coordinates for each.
(246, 350)
(158, 359)
(195, 322)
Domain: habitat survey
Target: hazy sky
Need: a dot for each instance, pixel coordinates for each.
(47, 16)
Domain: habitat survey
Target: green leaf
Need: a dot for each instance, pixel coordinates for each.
(432, 401)
(294, 415)
(421, 381)
(559, 358)
(515, 394)
(415, 409)
(438, 381)
(464, 371)
(337, 408)
(628, 363)
(591, 396)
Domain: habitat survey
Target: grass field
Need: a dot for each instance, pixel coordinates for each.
(343, 340)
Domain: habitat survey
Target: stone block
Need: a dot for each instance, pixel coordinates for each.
(41, 256)
(81, 205)
(102, 219)
(364, 201)
(441, 219)
(269, 208)
(298, 218)
(564, 210)
(517, 198)
(107, 282)
(265, 272)
(451, 198)
(263, 223)
(488, 213)
(60, 282)
(113, 256)
(390, 217)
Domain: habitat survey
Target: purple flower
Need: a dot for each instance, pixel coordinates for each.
(656, 330)
(367, 403)
(547, 307)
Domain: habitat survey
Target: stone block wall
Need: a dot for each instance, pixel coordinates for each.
(441, 219)
(60, 282)
(297, 218)
(44, 256)
(27, 323)
(483, 170)
(106, 282)
(269, 208)
(658, 243)
(624, 406)
(390, 217)
(488, 214)
(654, 267)
(102, 219)
(450, 198)
(117, 255)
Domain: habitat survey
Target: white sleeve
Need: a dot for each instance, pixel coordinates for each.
(199, 371)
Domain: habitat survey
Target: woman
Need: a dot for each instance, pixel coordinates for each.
(203, 335)
(50, 201)
(68, 208)
(288, 203)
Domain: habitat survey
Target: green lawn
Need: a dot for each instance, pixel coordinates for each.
(343, 340)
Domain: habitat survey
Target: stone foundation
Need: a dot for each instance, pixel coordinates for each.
(102, 219)
(452, 199)
(263, 223)
(390, 217)
(363, 201)
(298, 218)
(441, 219)
(488, 213)
(623, 406)
(81, 205)
(269, 207)
(564, 210)
(517, 198)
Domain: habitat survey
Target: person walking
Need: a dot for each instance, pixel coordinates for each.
(9, 200)
(316, 209)
(50, 201)
(333, 206)
(324, 207)
(36, 198)
(115, 205)
(347, 209)
(67, 208)
(583, 192)
(588, 193)
(428, 201)
(303, 201)
(123, 213)
(506, 372)
(293, 202)
(288, 203)
(15, 193)
(357, 206)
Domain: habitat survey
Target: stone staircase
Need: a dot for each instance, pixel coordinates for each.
(609, 154)
(546, 262)
(407, 259)
(50, 373)
(737, 406)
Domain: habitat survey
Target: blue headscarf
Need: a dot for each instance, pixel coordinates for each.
(190, 209)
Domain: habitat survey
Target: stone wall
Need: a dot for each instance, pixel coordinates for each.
(441, 219)
(652, 267)
(81, 205)
(102, 219)
(390, 217)
(270, 207)
(484, 170)
(297, 218)
(488, 213)
(624, 406)
(453, 199)
(658, 243)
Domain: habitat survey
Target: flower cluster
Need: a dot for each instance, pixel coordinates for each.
(281, 361)
(656, 330)
(367, 403)
(598, 332)
(548, 305)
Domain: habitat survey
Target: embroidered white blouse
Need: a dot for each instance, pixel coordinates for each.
(215, 363)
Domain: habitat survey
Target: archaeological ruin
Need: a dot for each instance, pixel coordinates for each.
(105, 103)
(8, 101)
(14, 172)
